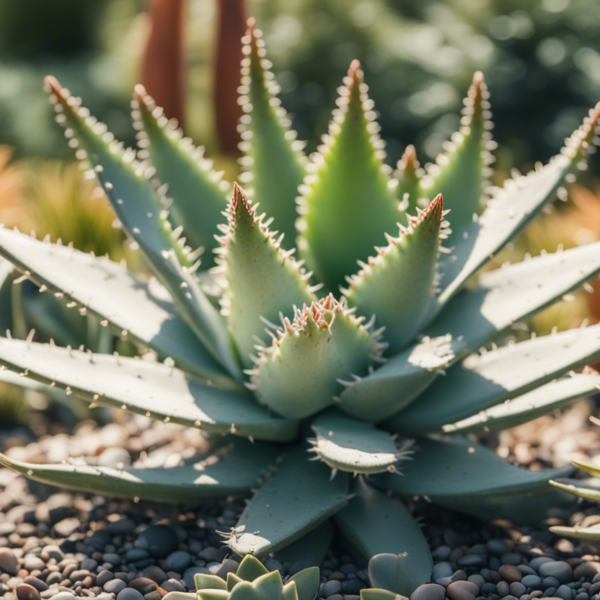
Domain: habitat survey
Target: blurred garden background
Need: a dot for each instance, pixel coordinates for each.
(540, 58)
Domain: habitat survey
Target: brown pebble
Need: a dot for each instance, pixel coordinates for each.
(38, 584)
(510, 573)
(462, 590)
(79, 575)
(27, 592)
(587, 570)
(143, 585)
(88, 581)
(8, 561)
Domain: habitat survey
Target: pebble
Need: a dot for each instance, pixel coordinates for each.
(517, 589)
(114, 586)
(564, 592)
(104, 577)
(462, 590)
(510, 573)
(550, 582)
(67, 527)
(33, 563)
(188, 576)
(8, 561)
(27, 592)
(172, 585)
(558, 569)
(63, 596)
(428, 591)
(333, 587)
(586, 569)
(352, 586)
(38, 584)
(441, 570)
(159, 540)
(129, 594)
(179, 561)
(532, 581)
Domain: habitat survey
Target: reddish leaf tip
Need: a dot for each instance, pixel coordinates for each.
(408, 162)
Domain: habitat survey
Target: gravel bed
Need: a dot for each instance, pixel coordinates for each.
(61, 545)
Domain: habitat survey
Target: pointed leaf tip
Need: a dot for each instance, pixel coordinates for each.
(408, 163)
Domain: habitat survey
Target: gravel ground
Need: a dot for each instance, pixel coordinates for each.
(55, 544)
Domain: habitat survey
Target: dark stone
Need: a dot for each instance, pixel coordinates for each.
(429, 591)
(159, 540)
(27, 592)
(129, 594)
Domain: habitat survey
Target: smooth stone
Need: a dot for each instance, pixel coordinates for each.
(511, 558)
(586, 569)
(526, 570)
(459, 575)
(63, 596)
(497, 547)
(510, 573)
(179, 561)
(517, 589)
(153, 596)
(352, 586)
(27, 592)
(550, 582)
(549, 593)
(105, 596)
(503, 588)
(445, 581)
(143, 585)
(441, 570)
(113, 558)
(136, 554)
(38, 584)
(114, 586)
(582, 596)
(536, 563)
(564, 592)
(558, 569)
(8, 561)
(229, 566)
(155, 573)
(478, 580)
(33, 563)
(441, 553)
(159, 540)
(462, 590)
(331, 588)
(488, 589)
(67, 527)
(471, 560)
(129, 594)
(429, 591)
(532, 581)
(104, 577)
(172, 585)
(188, 576)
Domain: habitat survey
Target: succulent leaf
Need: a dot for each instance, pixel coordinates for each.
(510, 209)
(481, 381)
(307, 583)
(522, 409)
(589, 534)
(400, 380)
(348, 203)
(211, 594)
(582, 488)
(140, 210)
(461, 173)
(514, 293)
(311, 359)
(450, 469)
(124, 300)
(273, 157)
(232, 470)
(308, 550)
(266, 587)
(372, 522)
(286, 507)
(205, 581)
(251, 568)
(350, 445)
(262, 281)
(408, 176)
(398, 284)
(377, 594)
(198, 193)
(232, 580)
(153, 389)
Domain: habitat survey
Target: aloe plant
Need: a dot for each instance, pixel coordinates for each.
(325, 381)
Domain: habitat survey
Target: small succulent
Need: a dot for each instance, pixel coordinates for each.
(589, 489)
(343, 363)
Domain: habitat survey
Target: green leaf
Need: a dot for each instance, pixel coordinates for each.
(265, 587)
(308, 550)
(232, 470)
(7, 276)
(398, 284)
(375, 594)
(251, 568)
(349, 186)
(384, 532)
(350, 445)
(287, 507)
(509, 210)
(461, 173)
(199, 196)
(310, 361)
(232, 581)
(182, 596)
(273, 158)
(399, 381)
(141, 312)
(262, 281)
(454, 468)
(149, 388)
(485, 380)
(407, 174)
(307, 583)
(589, 468)
(514, 293)
(212, 595)
(141, 211)
(542, 401)
(204, 581)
